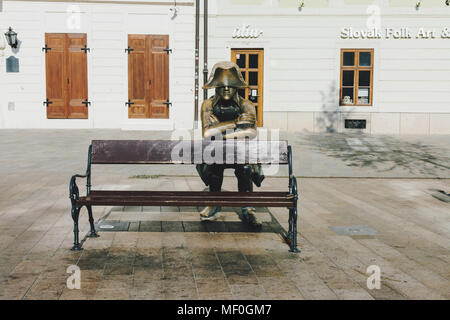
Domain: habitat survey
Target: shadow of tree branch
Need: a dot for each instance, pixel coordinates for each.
(382, 153)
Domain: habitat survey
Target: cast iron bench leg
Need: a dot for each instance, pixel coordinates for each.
(93, 233)
(75, 216)
(291, 214)
(293, 245)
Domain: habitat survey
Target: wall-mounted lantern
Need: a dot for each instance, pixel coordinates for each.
(11, 37)
(418, 4)
(174, 11)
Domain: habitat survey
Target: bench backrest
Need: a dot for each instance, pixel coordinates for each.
(189, 152)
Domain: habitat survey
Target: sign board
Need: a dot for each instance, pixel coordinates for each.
(246, 32)
(12, 64)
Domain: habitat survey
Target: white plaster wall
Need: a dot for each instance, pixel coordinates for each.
(107, 26)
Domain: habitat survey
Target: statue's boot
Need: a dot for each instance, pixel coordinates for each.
(249, 217)
(210, 213)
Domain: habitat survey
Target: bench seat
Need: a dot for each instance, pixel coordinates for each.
(187, 199)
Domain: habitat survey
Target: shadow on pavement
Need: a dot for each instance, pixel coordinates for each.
(381, 153)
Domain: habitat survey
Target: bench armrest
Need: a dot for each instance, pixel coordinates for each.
(293, 187)
(74, 193)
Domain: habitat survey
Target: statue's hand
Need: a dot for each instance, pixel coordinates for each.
(241, 133)
(246, 120)
(213, 120)
(218, 128)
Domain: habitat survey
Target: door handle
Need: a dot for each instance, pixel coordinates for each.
(129, 103)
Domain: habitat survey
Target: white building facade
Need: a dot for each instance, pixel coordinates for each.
(380, 67)
(107, 29)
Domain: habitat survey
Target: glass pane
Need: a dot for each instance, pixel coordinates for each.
(363, 96)
(365, 59)
(241, 92)
(240, 60)
(253, 61)
(253, 78)
(253, 95)
(364, 78)
(243, 76)
(348, 78)
(347, 96)
(349, 59)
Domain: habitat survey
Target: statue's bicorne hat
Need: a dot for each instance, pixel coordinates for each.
(225, 74)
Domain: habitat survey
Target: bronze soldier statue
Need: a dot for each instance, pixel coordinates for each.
(230, 116)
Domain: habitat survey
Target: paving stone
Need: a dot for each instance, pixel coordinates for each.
(153, 290)
(150, 226)
(43, 295)
(172, 226)
(248, 292)
(116, 294)
(181, 289)
(212, 287)
(86, 292)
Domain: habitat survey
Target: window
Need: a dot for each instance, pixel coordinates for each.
(356, 77)
(251, 63)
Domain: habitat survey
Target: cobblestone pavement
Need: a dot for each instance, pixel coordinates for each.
(166, 253)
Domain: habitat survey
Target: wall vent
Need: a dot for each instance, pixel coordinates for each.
(355, 124)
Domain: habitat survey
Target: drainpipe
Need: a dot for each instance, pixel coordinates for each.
(205, 47)
(197, 49)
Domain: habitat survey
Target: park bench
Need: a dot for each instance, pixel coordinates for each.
(145, 152)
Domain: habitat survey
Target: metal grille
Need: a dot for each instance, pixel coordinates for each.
(355, 124)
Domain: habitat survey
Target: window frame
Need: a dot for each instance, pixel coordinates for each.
(356, 68)
(247, 70)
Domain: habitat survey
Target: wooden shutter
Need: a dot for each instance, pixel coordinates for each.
(159, 75)
(148, 76)
(138, 77)
(77, 76)
(66, 76)
(55, 60)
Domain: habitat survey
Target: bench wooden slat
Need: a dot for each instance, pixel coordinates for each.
(190, 152)
(184, 203)
(186, 198)
(135, 196)
(193, 198)
(225, 194)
